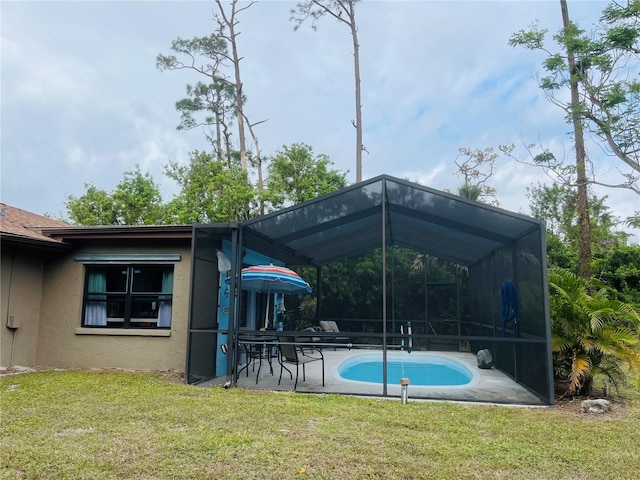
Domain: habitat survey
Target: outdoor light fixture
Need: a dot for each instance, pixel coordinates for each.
(404, 390)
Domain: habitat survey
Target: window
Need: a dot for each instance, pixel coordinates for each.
(128, 296)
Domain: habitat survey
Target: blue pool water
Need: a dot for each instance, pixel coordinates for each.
(421, 370)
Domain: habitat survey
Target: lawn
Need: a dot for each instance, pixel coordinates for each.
(119, 425)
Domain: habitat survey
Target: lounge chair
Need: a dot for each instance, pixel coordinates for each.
(332, 326)
(297, 355)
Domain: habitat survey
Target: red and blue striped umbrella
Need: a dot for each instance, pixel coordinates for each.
(273, 279)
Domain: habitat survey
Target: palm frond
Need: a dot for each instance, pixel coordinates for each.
(580, 370)
(590, 328)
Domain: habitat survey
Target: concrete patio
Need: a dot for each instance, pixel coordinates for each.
(490, 386)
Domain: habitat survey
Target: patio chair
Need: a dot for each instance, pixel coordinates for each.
(309, 339)
(297, 355)
(332, 326)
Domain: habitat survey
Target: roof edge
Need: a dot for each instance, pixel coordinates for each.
(50, 244)
(123, 231)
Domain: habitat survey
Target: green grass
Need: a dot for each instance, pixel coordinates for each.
(125, 425)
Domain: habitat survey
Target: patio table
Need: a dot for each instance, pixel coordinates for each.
(257, 348)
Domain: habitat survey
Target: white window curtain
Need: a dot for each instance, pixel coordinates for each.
(164, 309)
(96, 312)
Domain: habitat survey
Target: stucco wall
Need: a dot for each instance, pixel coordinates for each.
(63, 343)
(21, 281)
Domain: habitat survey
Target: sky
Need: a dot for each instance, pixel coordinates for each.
(82, 101)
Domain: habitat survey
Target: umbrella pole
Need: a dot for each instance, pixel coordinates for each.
(266, 315)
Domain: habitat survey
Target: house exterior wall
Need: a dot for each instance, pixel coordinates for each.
(20, 290)
(63, 343)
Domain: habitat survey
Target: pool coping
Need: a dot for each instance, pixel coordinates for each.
(412, 357)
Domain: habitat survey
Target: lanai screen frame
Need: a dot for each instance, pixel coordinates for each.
(388, 211)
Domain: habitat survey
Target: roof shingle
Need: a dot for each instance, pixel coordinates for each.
(17, 222)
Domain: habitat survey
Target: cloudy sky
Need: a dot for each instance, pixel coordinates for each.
(82, 100)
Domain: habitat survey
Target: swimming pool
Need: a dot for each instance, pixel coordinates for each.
(423, 369)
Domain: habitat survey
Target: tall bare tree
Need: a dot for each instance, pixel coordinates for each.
(256, 158)
(227, 29)
(227, 23)
(223, 95)
(345, 12)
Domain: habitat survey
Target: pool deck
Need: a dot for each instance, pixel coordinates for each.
(487, 385)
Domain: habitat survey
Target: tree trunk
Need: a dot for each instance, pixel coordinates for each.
(239, 105)
(584, 226)
(230, 23)
(218, 127)
(258, 164)
(356, 65)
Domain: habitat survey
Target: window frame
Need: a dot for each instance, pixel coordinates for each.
(161, 301)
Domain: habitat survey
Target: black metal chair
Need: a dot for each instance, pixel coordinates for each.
(295, 354)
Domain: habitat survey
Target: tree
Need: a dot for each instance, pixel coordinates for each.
(620, 269)
(296, 175)
(210, 191)
(94, 207)
(557, 206)
(205, 56)
(551, 203)
(219, 97)
(354, 286)
(136, 200)
(476, 169)
(593, 334)
(216, 100)
(554, 205)
(343, 11)
(612, 101)
(227, 23)
(559, 254)
(600, 70)
(567, 67)
(605, 66)
(584, 258)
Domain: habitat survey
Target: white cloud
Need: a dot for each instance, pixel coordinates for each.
(428, 177)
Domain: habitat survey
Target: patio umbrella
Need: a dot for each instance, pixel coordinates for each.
(272, 279)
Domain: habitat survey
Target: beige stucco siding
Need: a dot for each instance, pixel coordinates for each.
(63, 343)
(20, 289)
